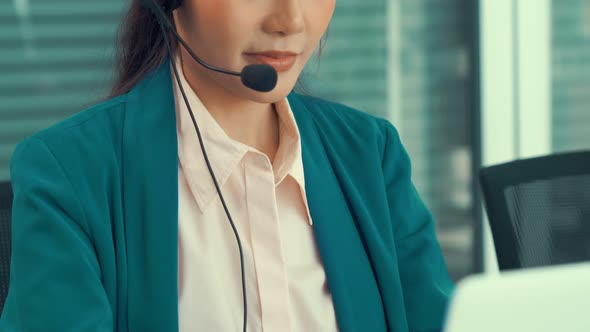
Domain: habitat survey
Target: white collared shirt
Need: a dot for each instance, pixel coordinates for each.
(286, 285)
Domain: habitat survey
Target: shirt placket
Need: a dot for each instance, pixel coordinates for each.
(267, 247)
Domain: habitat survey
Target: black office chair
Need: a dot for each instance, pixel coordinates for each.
(539, 210)
(5, 219)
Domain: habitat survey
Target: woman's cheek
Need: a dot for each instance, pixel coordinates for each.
(320, 13)
(212, 13)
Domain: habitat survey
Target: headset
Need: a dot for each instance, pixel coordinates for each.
(259, 77)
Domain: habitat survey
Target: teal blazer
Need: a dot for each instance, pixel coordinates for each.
(96, 208)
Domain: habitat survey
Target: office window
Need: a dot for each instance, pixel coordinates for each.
(55, 59)
(437, 87)
(434, 44)
(570, 81)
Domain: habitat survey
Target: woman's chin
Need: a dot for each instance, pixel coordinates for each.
(281, 91)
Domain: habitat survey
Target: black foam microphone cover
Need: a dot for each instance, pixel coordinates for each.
(260, 77)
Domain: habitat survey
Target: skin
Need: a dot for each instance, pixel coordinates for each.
(221, 31)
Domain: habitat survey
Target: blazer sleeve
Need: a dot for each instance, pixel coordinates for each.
(55, 277)
(425, 280)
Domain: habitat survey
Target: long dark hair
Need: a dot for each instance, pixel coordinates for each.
(140, 48)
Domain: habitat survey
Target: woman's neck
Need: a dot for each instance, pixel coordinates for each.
(251, 123)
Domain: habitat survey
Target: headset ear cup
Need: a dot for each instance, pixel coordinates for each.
(173, 4)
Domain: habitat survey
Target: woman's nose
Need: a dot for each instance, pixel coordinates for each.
(285, 18)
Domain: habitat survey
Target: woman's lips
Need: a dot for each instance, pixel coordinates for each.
(280, 61)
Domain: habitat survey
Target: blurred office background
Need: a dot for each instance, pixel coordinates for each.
(466, 83)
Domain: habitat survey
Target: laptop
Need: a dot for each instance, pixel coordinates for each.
(545, 299)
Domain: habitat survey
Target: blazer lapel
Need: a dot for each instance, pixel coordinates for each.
(150, 180)
(355, 293)
(150, 186)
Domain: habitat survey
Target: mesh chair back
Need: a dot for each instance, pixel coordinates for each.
(5, 220)
(539, 210)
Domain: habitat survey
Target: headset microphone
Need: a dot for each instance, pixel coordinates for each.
(259, 77)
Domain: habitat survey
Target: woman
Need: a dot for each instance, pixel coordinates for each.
(119, 224)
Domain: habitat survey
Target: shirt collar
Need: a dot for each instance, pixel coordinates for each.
(225, 153)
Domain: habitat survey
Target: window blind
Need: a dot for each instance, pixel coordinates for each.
(570, 74)
(55, 60)
(352, 68)
(436, 86)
